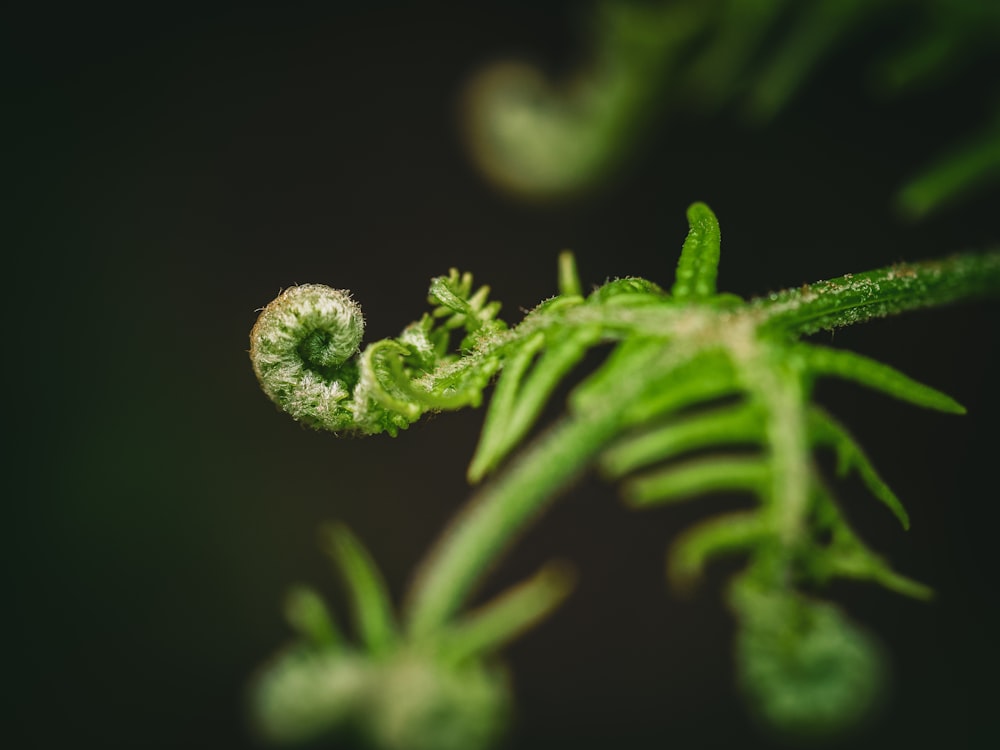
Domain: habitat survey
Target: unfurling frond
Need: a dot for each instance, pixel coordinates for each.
(701, 393)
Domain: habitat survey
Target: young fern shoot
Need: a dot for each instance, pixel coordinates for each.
(691, 370)
(544, 138)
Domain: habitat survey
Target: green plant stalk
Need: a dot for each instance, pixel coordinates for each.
(781, 391)
(488, 525)
(855, 298)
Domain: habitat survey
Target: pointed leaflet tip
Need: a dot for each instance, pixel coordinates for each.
(370, 601)
(699, 262)
(308, 615)
(868, 372)
(825, 430)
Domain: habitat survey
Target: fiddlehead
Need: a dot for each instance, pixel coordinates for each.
(305, 352)
(302, 349)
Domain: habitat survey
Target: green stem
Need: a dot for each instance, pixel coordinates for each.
(855, 298)
(782, 392)
(487, 526)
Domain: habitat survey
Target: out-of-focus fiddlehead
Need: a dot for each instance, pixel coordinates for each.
(445, 692)
(703, 392)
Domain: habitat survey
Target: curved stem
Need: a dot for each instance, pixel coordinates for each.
(487, 526)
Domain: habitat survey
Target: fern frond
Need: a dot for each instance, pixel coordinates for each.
(692, 375)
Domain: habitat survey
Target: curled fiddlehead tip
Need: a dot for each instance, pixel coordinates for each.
(808, 671)
(301, 348)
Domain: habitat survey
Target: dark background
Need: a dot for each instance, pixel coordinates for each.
(169, 174)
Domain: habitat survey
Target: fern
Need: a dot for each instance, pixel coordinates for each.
(703, 392)
(545, 139)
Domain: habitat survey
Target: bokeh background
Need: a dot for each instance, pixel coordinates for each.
(170, 173)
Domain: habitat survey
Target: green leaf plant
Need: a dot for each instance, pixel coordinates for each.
(542, 138)
(701, 392)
